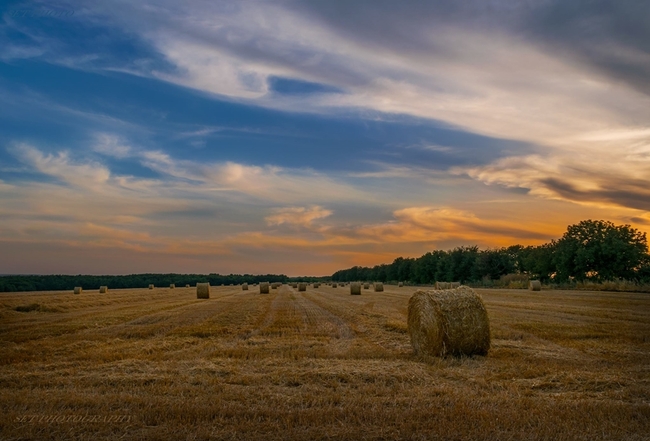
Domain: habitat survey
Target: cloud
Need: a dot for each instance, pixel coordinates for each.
(62, 167)
(611, 179)
(111, 145)
(297, 216)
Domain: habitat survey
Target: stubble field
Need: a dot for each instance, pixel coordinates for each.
(160, 364)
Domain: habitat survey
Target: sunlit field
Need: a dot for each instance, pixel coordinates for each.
(160, 364)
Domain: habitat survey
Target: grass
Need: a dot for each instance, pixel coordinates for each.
(318, 364)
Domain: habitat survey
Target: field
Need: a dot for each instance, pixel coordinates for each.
(160, 364)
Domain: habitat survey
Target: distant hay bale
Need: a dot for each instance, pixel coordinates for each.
(274, 285)
(103, 289)
(150, 286)
(448, 322)
(366, 286)
(244, 286)
(187, 286)
(78, 290)
(400, 284)
(334, 285)
(316, 285)
(443, 285)
(454, 285)
(355, 289)
(535, 285)
(203, 290)
(379, 287)
(302, 287)
(172, 286)
(264, 287)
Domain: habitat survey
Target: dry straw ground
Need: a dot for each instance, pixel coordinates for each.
(319, 364)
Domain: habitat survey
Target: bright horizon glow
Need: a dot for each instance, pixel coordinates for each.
(304, 138)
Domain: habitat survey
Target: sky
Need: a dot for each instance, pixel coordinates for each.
(304, 137)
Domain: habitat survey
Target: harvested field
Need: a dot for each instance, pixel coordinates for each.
(318, 364)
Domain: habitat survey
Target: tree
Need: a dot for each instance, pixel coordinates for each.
(599, 250)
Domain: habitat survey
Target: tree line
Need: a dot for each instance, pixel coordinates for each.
(592, 250)
(67, 282)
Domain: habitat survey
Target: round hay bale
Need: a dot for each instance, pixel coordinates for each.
(400, 284)
(150, 286)
(448, 322)
(454, 285)
(244, 286)
(535, 285)
(379, 287)
(355, 289)
(302, 287)
(443, 285)
(187, 286)
(103, 289)
(366, 286)
(316, 285)
(172, 286)
(203, 290)
(264, 287)
(78, 290)
(334, 285)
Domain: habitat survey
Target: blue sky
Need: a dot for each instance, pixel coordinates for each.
(305, 137)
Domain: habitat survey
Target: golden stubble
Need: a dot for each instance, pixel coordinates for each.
(318, 364)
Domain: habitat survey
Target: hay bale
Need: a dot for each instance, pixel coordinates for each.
(264, 287)
(172, 286)
(400, 284)
(244, 286)
(302, 287)
(454, 285)
(379, 287)
(150, 286)
(187, 286)
(366, 286)
(203, 290)
(103, 289)
(448, 322)
(334, 285)
(443, 285)
(78, 290)
(535, 285)
(355, 289)
(316, 285)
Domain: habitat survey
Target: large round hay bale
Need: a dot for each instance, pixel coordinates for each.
(379, 287)
(443, 285)
(316, 285)
(150, 286)
(244, 286)
(448, 322)
(454, 285)
(400, 284)
(203, 290)
(302, 287)
(264, 287)
(355, 289)
(172, 286)
(78, 290)
(535, 285)
(103, 289)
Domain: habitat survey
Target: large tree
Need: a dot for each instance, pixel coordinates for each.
(599, 250)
